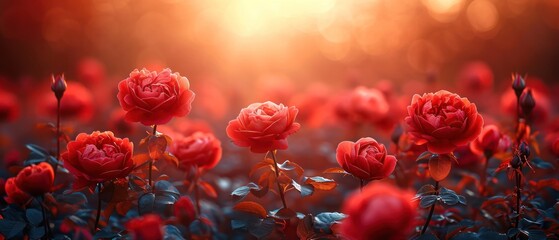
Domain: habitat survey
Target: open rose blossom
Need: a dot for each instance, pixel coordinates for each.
(184, 211)
(154, 98)
(381, 211)
(442, 120)
(147, 227)
(36, 179)
(14, 194)
(365, 159)
(263, 127)
(200, 149)
(362, 105)
(98, 157)
(490, 141)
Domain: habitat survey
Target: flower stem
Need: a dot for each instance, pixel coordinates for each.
(57, 137)
(98, 207)
(45, 218)
(430, 211)
(151, 162)
(197, 192)
(518, 177)
(280, 189)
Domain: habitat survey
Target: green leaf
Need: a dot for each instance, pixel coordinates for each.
(10, 228)
(325, 220)
(34, 216)
(427, 201)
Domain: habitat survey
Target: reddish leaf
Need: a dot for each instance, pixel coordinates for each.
(264, 163)
(251, 207)
(156, 146)
(208, 189)
(335, 170)
(123, 207)
(108, 211)
(291, 166)
(141, 159)
(440, 166)
(286, 213)
(167, 156)
(321, 183)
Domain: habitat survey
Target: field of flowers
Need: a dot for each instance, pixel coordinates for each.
(158, 154)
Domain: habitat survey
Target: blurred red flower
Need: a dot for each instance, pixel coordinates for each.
(490, 141)
(200, 149)
(97, 158)
(14, 194)
(442, 120)
(147, 227)
(362, 105)
(552, 141)
(540, 113)
(381, 211)
(365, 159)
(184, 211)
(9, 107)
(36, 179)
(476, 77)
(76, 103)
(263, 126)
(154, 98)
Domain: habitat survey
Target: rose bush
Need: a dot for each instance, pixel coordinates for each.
(36, 179)
(365, 159)
(200, 149)
(263, 127)
(98, 157)
(381, 211)
(443, 120)
(154, 98)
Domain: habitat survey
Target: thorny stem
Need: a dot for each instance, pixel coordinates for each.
(151, 162)
(98, 207)
(518, 182)
(430, 211)
(280, 190)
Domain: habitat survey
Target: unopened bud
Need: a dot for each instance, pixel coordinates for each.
(515, 162)
(518, 84)
(527, 102)
(524, 150)
(58, 86)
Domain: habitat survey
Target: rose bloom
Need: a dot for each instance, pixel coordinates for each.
(14, 194)
(97, 158)
(490, 141)
(200, 149)
(77, 102)
(443, 121)
(476, 77)
(154, 98)
(365, 159)
(381, 211)
(36, 179)
(184, 211)
(147, 227)
(552, 141)
(9, 107)
(263, 127)
(363, 105)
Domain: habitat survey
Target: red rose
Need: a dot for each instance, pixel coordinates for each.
(381, 211)
(154, 98)
(552, 141)
(363, 105)
(263, 126)
(184, 211)
(476, 77)
(97, 158)
(200, 149)
(443, 121)
(147, 227)
(14, 194)
(490, 141)
(365, 159)
(77, 102)
(36, 179)
(9, 107)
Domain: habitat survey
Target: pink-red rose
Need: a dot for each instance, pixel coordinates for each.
(381, 211)
(443, 121)
(184, 211)
(98, 157)
(36, 179)
(147, 227)
(365, 159)
(490, 141)
(263, 127)
(200, 149)
(14, 194)
(9, 107)
(154, 98)
(363, 105)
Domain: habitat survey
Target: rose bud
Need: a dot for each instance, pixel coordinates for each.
(515, 162)
(155, 98)
(98, 157)
(381, 211)
(14, 194)
(518, 84)
(263, 127)
(365, 159)
(524, 150)
(200, 149)
(147, 227)
(527, 102)
(184, 211)
(442, 121)
(36, 179)
(490, 141)
(58, 86)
